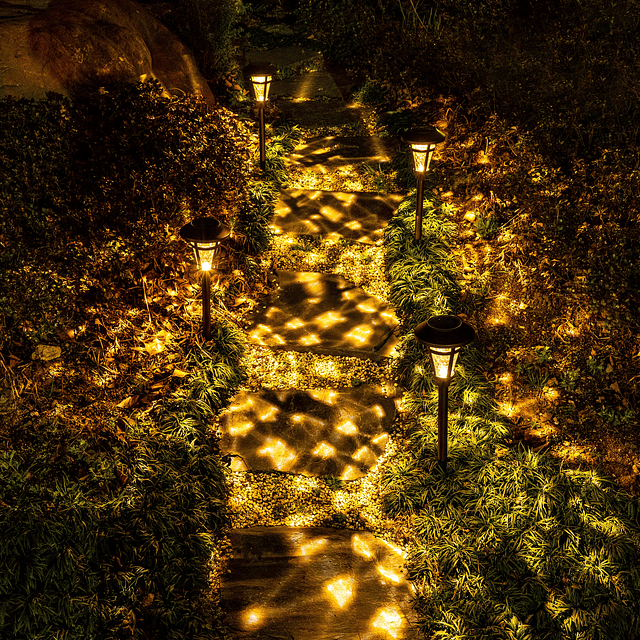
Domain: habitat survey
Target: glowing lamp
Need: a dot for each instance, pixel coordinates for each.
(423, 143)
(205, 235)
(261, 75)
(444, 336)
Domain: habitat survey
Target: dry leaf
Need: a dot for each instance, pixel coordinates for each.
(178, 373)
(122, 477)
(67, 334)
(615, 387)
(129, 402)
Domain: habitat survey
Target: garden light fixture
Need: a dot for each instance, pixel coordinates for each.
(444, 337)
(261, 75)
(205, 235)
(423, 143)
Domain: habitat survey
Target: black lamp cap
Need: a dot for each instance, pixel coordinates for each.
(260, 69)
(444, 331)
(204, 231)
(426, 135)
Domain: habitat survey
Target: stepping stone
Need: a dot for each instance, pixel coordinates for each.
(284, 57)
(323, 313)
(316, 584)
(312, 114)
(320, 432)
(355, 216)
(332, 152)
(307, 86)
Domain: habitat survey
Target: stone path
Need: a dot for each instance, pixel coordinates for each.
(354, 216)
(317, 583)
(320, 432)
(323, 313)
(325, 571)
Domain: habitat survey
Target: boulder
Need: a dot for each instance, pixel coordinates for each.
(62, 45)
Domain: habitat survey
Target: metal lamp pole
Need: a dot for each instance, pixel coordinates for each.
(423, 143)
(205, 235)
(444, 337)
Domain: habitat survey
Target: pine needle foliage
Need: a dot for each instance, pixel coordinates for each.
(507, 543)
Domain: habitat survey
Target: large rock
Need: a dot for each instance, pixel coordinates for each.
(60, 45)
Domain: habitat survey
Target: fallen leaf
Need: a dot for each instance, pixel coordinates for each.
(129, 402)
(178, 373)
(122, 477)
(67, 334)
(615, 387)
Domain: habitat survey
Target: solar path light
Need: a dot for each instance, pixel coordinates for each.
(205, 235)
(423, 143)
(261, 75)
(444, 337)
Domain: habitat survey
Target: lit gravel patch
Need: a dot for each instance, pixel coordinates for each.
(362, 264)
(268, 369)
(276, 499)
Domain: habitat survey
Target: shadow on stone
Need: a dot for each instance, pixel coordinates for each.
(316, 584)
(322, 432)
(355, 216)
(337, 151)
(323, 313)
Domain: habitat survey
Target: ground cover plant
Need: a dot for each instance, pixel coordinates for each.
(507, 543)
(536, 179)
(113, 490)
(539, 173)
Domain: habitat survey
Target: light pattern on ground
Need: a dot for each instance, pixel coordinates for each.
(322, 582)
(322, 432)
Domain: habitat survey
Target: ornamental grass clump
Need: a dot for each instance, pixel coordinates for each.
(507, 543)
(113, 491)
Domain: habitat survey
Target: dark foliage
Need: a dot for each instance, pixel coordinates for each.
(92, 188)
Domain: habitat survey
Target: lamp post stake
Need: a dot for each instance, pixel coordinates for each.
(419, 200)
(205, 235)
(444, 336)
(261, 75)
(263, 151)
(443, 423)
(206, 305)
(423, 143)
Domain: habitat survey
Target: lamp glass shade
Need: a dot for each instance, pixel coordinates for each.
(261, 75)
(261, 86)
(205, 235)
(423, 143)
(422, 154)
(444, 336)
(443, 361)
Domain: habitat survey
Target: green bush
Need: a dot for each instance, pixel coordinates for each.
(93, 189)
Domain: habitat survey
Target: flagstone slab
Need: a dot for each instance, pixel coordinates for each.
(355, 216)
(323, 313)
(328, 112)
(316, 584)
(283, 57)
(307, 86)
(321, 154)
(317, 432)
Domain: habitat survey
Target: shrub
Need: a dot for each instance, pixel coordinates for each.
(95, 188)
